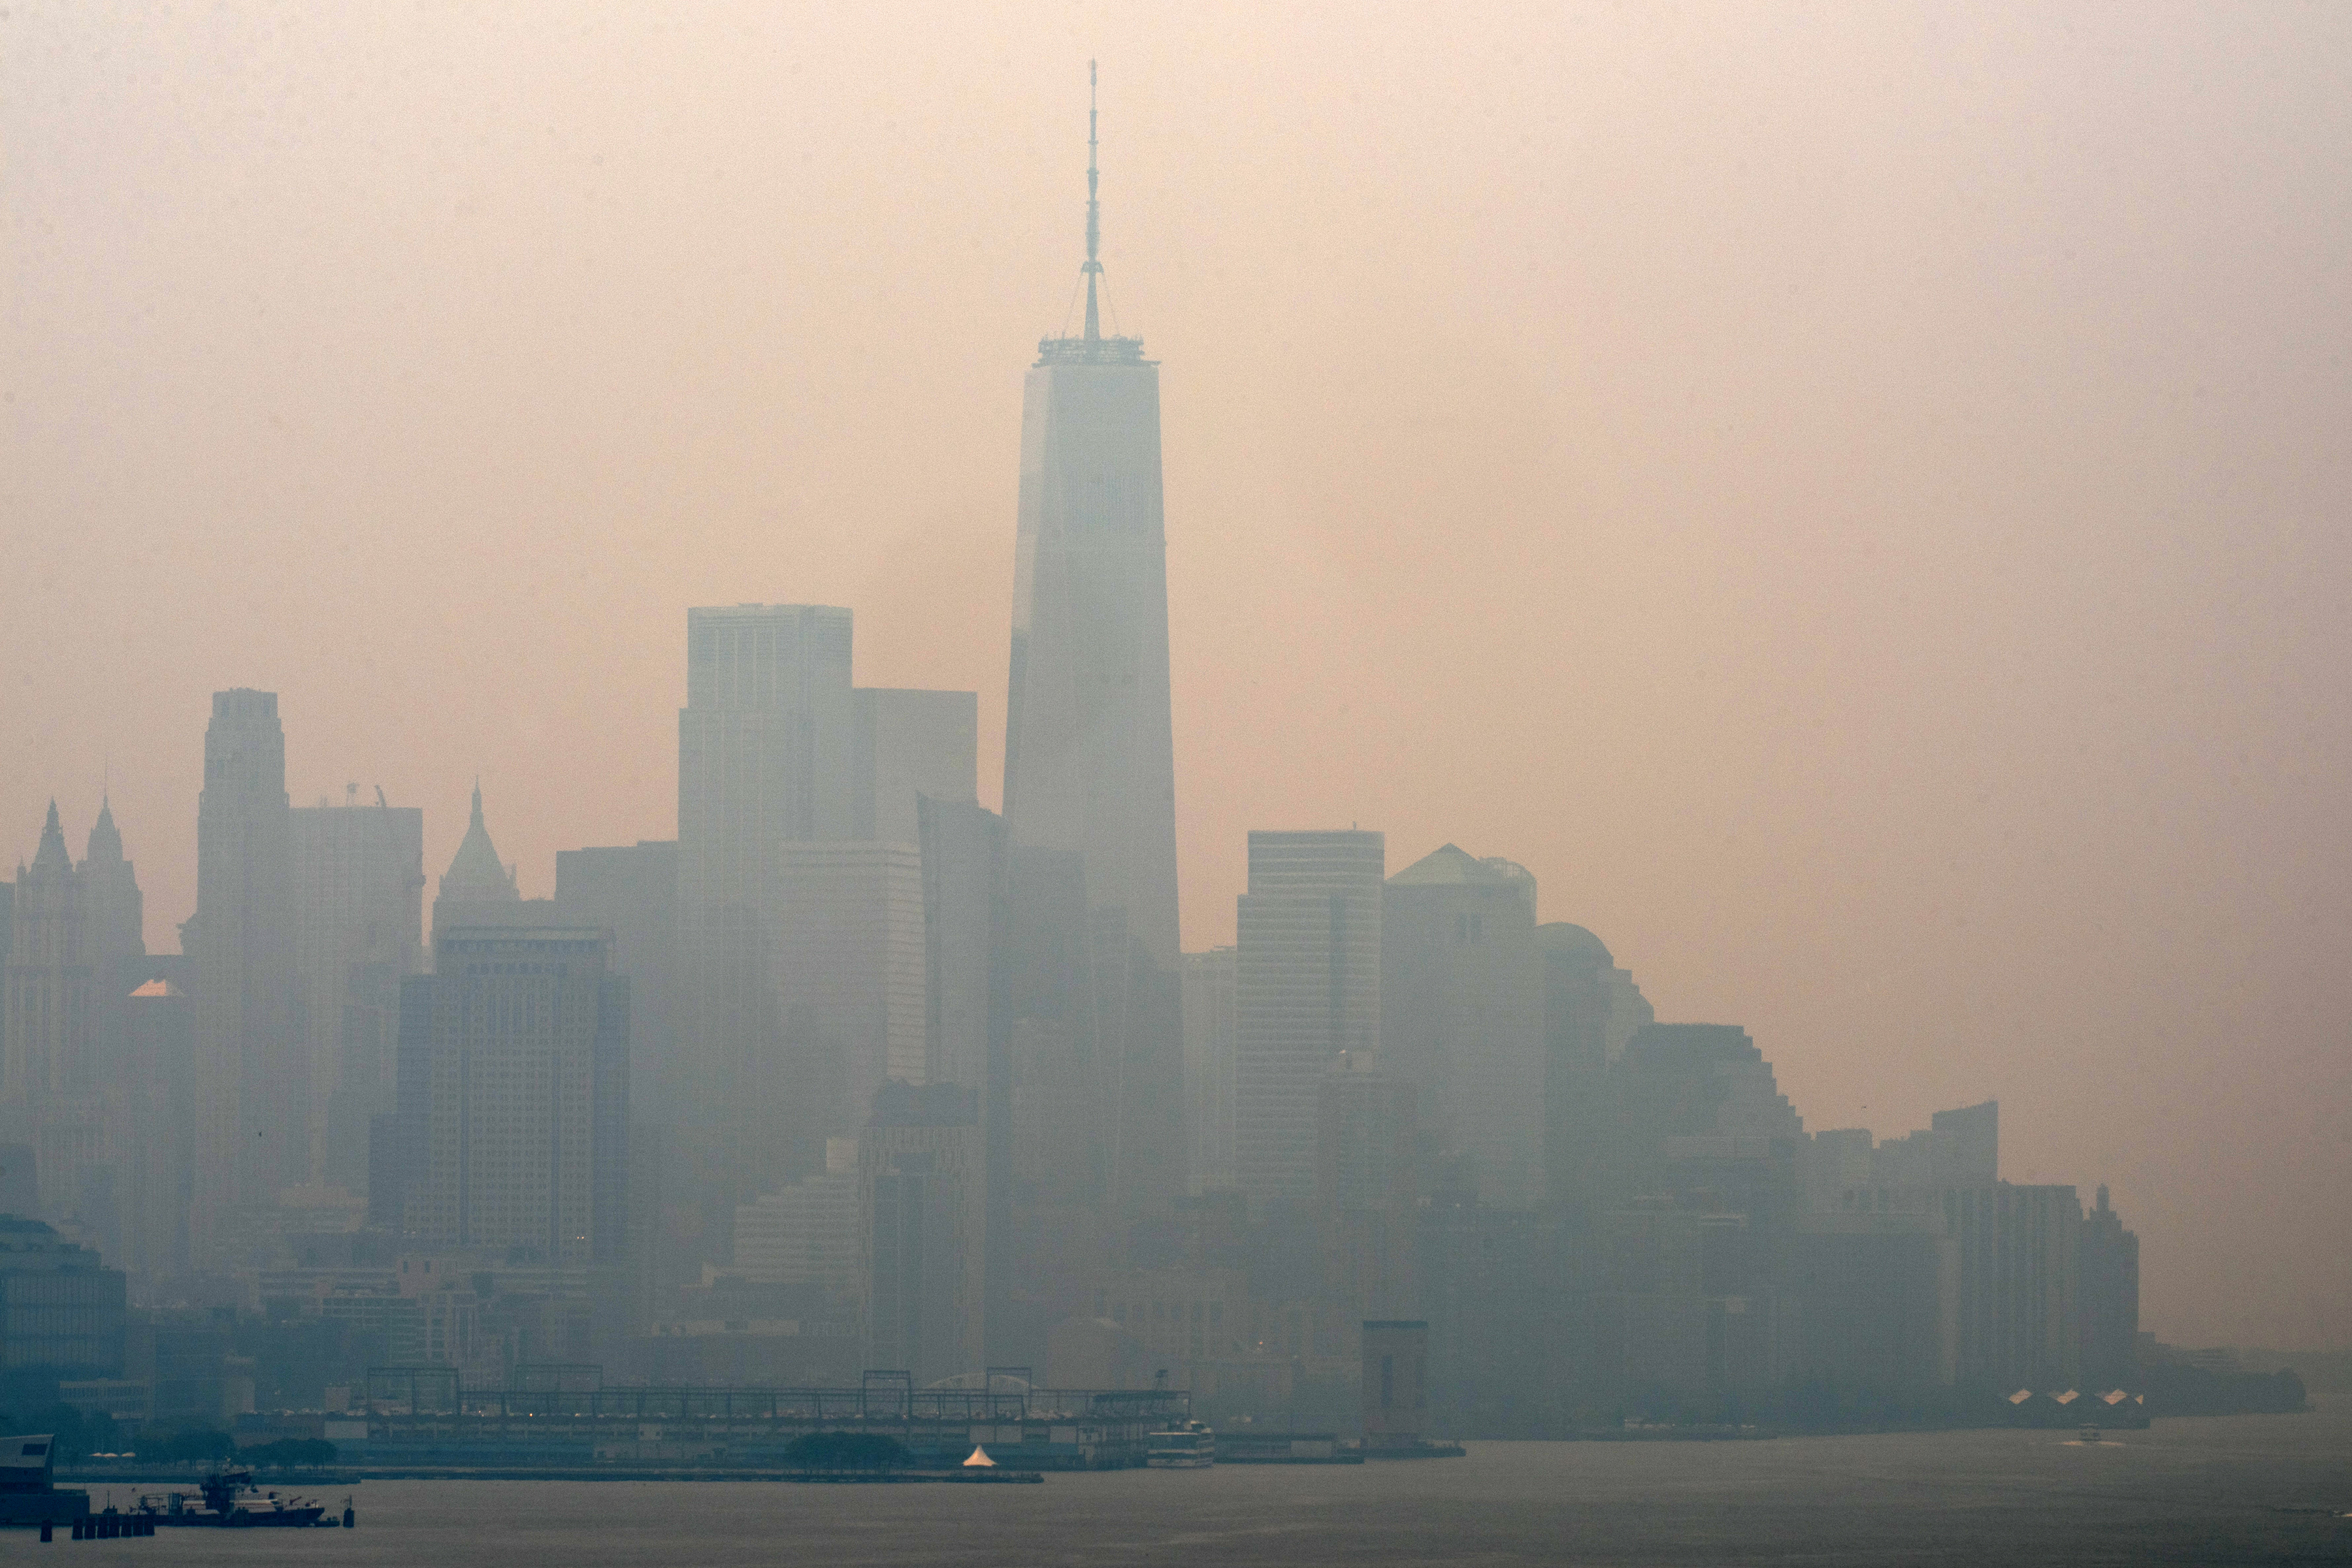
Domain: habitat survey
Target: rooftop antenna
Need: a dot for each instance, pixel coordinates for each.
(1094, 216)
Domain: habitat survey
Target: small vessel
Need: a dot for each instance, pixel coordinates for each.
(1186, 1445)
(225, 1504)
(2090, 1434)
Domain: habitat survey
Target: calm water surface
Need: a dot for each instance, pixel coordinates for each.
(2211, 1490)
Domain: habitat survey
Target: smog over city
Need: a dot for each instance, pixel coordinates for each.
(1177, 756)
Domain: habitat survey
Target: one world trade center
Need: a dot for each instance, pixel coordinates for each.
(1092, 1036)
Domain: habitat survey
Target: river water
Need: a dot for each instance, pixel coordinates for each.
(2221, 1489)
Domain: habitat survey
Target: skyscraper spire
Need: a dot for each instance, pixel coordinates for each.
(1094, 216)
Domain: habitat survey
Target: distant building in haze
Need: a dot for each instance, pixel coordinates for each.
(1590, 1009)
(60, 1307)
(2110, 1299)
(807, 1232)
(1462, 1015)
(480, 890)
(359, 917)
(923, 1217)
(1367, 1192)
(1212, 1069)
(1092, 954)
(801, 945)
(46, 1070)
(1307, 988)
(631, 890)
(252, 1092)
(516, 1056)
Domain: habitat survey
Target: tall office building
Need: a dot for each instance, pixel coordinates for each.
(1591, 1009)
(48, 988)
(515, 1052)
(1306, 988)
(252, 1097)
(157, 1082)
(2110, 1299)
(114, 917)
(923, 1232)
(798, 830)
(49, 1089)
(1095, 1033)
(910, 744)
(2020, 1258)
(359, 903)
(1462, 1016)
(1211, 1069)
(631, 890)
(1367, 1188)
(849, 976)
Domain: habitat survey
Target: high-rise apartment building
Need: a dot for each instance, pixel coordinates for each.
(359, 917)
(1095, 1030)
(516, 1063)
(1462, 1015)
(1306, 988)
(1211, 1069)
(252, 1093)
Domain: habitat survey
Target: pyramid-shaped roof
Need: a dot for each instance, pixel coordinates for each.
(105, 845)
(1449, 865)
(52, 855)
(475, 875)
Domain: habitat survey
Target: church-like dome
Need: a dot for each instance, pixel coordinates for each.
(1559, 936)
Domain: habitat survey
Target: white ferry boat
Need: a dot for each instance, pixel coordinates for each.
(1188, 1446)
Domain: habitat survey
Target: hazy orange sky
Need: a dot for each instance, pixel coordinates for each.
(1854, 497)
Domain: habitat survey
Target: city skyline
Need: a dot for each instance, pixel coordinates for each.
(1826, 873)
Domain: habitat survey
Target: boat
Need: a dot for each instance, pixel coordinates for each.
(1186, 1445)
(2090, 1434)
(222, 1501)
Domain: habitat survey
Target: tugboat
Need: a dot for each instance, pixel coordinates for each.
(1186, 1445)
(221, 1507)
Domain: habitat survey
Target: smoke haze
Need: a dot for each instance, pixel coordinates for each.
(1853, 499)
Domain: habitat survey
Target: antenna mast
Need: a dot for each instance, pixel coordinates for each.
(1094, 216)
